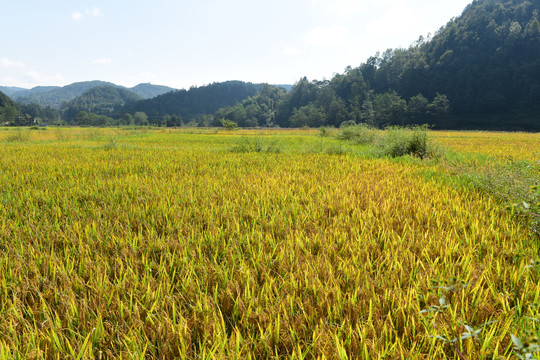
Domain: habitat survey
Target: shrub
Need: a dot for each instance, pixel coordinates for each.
(360, 134)
(326, 131)
(400, 141)
(347, 123)
(228, 124)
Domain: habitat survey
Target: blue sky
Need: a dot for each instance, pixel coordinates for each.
(183, 43)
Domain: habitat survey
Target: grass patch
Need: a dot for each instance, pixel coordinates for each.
(514, 183)
(18, 136)
(257, 145)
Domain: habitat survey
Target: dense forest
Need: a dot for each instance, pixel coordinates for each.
(8, 109)
(101, 100)
(196, 102)
(479, 71)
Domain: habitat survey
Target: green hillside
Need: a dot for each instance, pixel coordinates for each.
(487, 61)
(195, 101)
(102, 100)
(57, 96)
(8, 109)
(479, 71)
(148, 91)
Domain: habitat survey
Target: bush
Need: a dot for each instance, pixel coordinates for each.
(326, 131)
(400, 141)
(359, 134)
(228, 124)
(347, 123)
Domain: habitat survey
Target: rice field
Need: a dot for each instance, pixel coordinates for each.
(201, 244)
(504, 146)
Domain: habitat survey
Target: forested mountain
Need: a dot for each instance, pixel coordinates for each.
(35, 91)
(257, 110)
(481, 70)
(56, 96)
(101, 100)
(195, 101)
(148, 91)
(45, 114)
(11, 90)
(487, 62)
(8, 108)
(5, 101)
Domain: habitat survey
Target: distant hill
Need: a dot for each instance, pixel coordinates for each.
(101, 100)
(148, 91)
(195, 101)
(11, 90)
(34, 91)
(56, 96)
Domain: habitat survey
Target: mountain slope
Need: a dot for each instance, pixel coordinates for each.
(5, 101)
(148, 91)
(56, 96)
(195, 101)
(487, 61)
(479, 71)
(8, 108)
(11, 90)
(102, 100)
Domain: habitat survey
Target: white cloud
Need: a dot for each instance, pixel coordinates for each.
(346, 7)
(33, 77)
(102, 61)
(77, 16)
(6, 63)
(290, 51)
(95, 12)
(15, 73)
(341, 8)
(324, 36)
